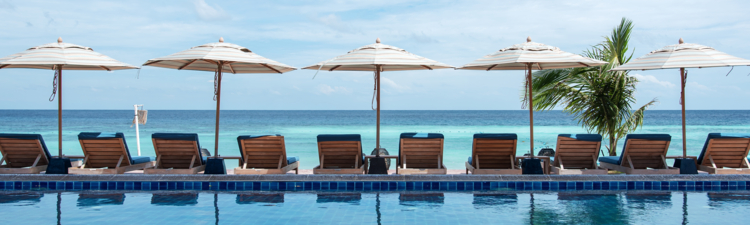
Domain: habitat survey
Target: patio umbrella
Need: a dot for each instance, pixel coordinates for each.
(378, 58)
(219, 57)
(528, 56)
(683, 55)
(58, 57)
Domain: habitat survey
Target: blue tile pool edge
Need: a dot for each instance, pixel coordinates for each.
(376, 185)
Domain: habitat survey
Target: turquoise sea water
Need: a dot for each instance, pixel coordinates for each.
(301, 127)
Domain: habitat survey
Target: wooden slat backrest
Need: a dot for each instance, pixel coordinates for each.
(727, 152)
(493, 153)
(264, 152)
(576, 154)
(645, 153)
(421, 152)
(21, 152)
(102, 153)
(340, 154)
(176, 153)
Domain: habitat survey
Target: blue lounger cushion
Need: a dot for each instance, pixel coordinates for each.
(111, 135)
(617, 160)
(583, 137)
(415, 135)
(291, 159)
(181, 137)
(497, 136)
(717, 136)
(342, 137)
(29, 137)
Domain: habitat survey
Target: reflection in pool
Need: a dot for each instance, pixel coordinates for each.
(373, 207)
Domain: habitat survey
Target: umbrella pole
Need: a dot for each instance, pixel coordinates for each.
(531, 111)
(377, 133)
(218, 105)
(682, 98)
(59, 110)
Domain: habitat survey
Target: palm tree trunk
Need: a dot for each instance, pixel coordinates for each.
(612, 146)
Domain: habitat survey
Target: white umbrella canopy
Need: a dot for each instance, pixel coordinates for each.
(219, 57)
(378, 58)
(235, 59)
(683, 55)
(61, 56)
(528, 56)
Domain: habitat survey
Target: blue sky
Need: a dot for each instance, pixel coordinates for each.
(301, 33)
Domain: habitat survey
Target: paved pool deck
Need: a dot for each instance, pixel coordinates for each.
(305, 176)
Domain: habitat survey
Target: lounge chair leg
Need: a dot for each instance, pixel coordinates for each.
(36, 161)
(467, 171)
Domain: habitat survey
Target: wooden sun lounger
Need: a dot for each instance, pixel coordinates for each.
(23, 154)
(642, 154)
(725, 154)
(577, 154)
(421, 153)
(493, 154)
(107, 153)
(340, 154)
(176, 153)
(264, 155)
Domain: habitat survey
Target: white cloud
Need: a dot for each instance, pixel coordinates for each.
(392, 84)
(698, 86)
(652, 80)
(210, 13)
(328, 90)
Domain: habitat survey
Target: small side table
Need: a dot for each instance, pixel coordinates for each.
(377, 164)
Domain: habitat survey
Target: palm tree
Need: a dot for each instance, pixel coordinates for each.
(598, 98)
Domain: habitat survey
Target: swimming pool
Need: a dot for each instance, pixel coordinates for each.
(408, 207)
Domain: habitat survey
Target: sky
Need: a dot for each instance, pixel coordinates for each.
(302, 33)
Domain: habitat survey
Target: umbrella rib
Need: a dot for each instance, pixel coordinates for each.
(152, 62)
(104, 67)
(266, 65)
(211, 61)
(493, 66)
(584, 64)
(187, 64)
(231, 68)
(3, 66)
(335, 67)
(426, 67)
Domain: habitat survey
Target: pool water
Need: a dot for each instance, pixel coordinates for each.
(373, 207)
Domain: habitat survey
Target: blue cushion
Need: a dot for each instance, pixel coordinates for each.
(719, 135)
(415, 135)
(583, 137)
(470, 161)
(610, 159)
(109, 135)
(291, 159)
(29, 137)
(141, 159)
(181, 137)
(497, 136)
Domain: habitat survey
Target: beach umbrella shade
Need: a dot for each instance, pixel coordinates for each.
(58, 57)
(528, 56)
(378, 58)
(219, 57)
(681, 56)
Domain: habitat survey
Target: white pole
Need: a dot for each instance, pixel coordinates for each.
(137, 134)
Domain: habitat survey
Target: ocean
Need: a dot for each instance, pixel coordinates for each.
(300, 127)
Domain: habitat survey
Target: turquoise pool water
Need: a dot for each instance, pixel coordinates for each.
(632, 207)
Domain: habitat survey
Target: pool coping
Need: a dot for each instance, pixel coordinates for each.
(339, 177)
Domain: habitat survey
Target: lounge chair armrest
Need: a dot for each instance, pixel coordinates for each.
(382, 156)
(679, 157)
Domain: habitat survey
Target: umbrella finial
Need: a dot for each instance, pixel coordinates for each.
(528, 39)
(59, 40)
(681, 41)
(377, 40)
(221, 39)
